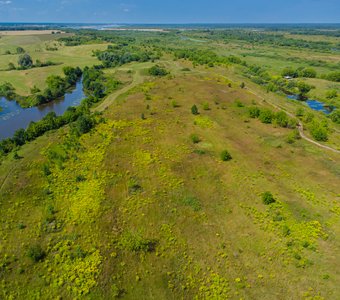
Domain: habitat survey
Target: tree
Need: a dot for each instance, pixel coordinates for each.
(194, 110)
(242, 85)
(25, 61)
(303, 88)
(268, 198)
(225, 156)
(11, 66)
(20, 50)
(158, 71)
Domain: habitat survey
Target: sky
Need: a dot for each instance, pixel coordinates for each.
(171, 11)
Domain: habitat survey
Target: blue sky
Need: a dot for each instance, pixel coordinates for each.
(172, 11)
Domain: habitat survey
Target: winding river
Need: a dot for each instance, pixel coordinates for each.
(14, 117)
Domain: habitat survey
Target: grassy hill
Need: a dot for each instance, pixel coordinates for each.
(147, 205)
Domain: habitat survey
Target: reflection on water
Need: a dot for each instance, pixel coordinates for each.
(14, 117)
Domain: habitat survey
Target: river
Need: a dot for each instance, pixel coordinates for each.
(14, 117)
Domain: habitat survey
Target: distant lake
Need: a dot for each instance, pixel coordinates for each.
(14, 117)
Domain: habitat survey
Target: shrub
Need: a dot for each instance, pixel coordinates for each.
(293, 136)
(239, 103)
(206, 106)
(254, 112)
(136, 243)
(266, 116)
(36, 253)
(281, 119)
(195, 138)
(318, 131)
(268, 198)
(300, 112)
(194, 110)
(174, 104)
(242, 85)
(158, 71)
(335, 116)
(225, 156)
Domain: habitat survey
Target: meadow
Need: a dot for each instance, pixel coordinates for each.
(192, 183)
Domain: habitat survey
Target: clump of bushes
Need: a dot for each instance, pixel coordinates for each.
(158, 71)
(226, 156)
(268, 198)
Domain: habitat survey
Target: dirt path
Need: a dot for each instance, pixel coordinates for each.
(137, 79)
(300, 125)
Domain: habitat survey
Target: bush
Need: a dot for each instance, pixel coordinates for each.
(195, 138)
(281, 119)
(254, 112)
(158, 71)
(36, 253)
(293, 136)
(318, 131)
(174, 104)
(25, 61)
(206, 106)
(225, 156)
(266, 116)
(194, 110)
(268, 198)
(136, 243)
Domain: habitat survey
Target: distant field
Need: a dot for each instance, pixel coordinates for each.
(37, 46)
(29, 32)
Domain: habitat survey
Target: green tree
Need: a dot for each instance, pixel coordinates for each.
(266, 116)
(194, 110)
(25, 61)
(268, 198)
(225, 155)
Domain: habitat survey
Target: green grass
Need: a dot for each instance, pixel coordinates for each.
(138, 209)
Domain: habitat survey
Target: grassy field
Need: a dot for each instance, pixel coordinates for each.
(144, 207)
(36, 46)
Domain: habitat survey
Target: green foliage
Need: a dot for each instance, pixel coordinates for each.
(206, 106)
(293, 136)
(158, 71)
(300, 112)
(174, 104)
(318, 131)
(20, 50)
(331, 94)
(25, 61)
(225, 155)
(36, 253)
(194, 110)
(266, 116)
(254, 112)
(134, 242)
(195, 138)
(281, 119)
(335, 116)
(242, 85)
(193, 202)
(268, 198)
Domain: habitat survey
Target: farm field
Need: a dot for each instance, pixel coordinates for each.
(186, 173)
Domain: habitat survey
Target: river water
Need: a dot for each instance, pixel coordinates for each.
(14, 117)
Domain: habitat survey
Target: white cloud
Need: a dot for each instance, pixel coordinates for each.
(5, 2)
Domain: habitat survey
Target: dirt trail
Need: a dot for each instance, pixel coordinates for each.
(300, 125)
